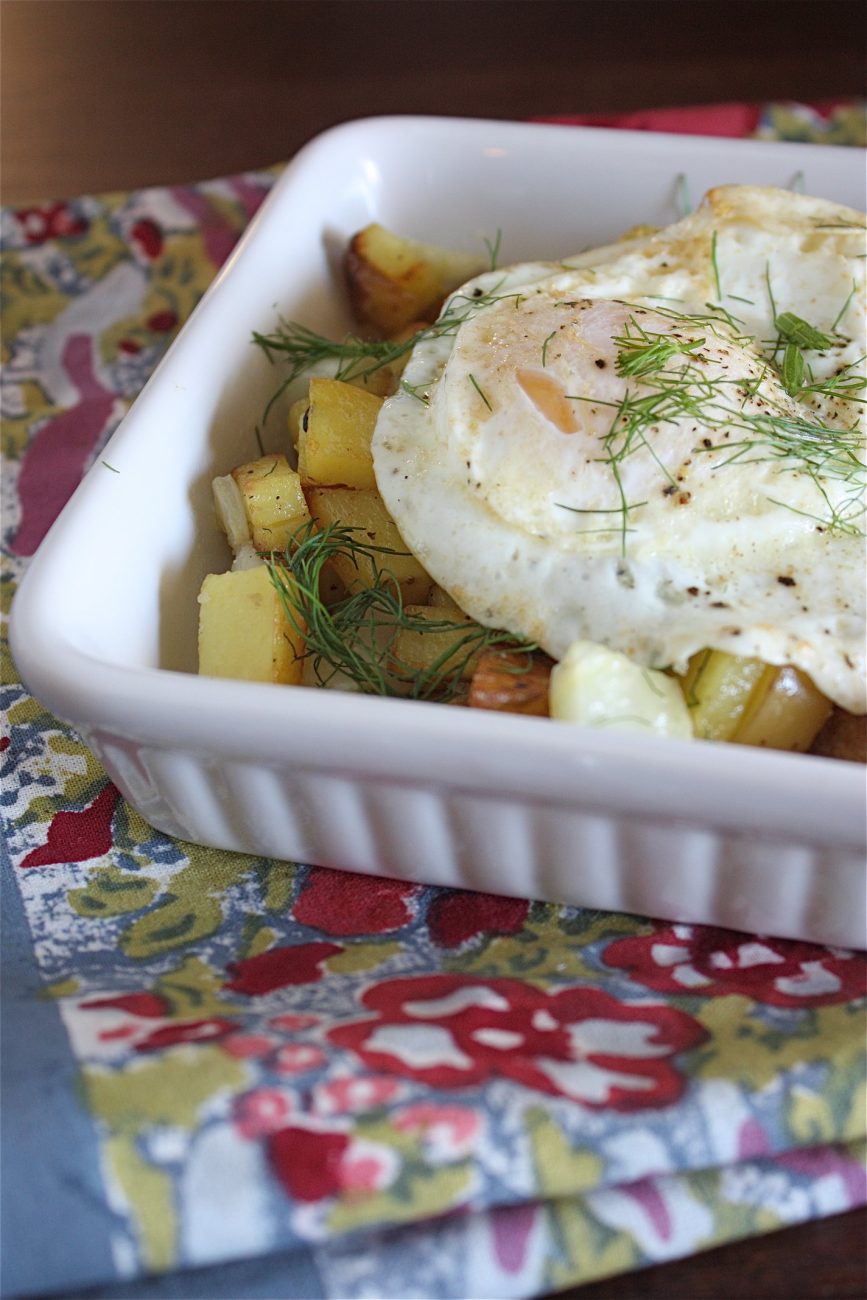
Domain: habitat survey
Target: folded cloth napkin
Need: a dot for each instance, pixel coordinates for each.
(335, 1085)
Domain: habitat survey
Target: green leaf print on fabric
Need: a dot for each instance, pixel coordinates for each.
(561, 1168)
(191, 908)
(111, 891)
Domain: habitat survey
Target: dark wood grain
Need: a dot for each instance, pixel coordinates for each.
(114, 94)
(822, 1260)
(118, 94)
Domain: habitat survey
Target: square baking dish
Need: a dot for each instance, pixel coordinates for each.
(105, 634)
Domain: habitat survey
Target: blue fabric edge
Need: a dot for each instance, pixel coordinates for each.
(55, 1222)
(55, 1219)
(287, 1275)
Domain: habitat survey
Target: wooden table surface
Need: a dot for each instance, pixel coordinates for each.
(100, 95)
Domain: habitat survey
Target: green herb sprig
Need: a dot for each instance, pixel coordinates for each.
(303, 349)
(355, 638)
(672, 391)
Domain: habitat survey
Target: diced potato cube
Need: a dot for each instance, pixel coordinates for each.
(393, 281)
(332, 588)
(512, 681)
(717, 688)
(273, 499)
(445, 650)
(243, 629)
(440, 599)
(380, 382)
(365, 512)
(788, 714)
(334, 439)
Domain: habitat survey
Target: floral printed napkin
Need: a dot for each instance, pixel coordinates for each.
(340, 1086)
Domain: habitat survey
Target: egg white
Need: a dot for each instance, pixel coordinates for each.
(663, 512)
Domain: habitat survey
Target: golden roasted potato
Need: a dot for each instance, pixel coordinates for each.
(273, 501)
(381, 382)
(334, 437)
(364, 511)
(243, 629)
(393, 281)
(440, 599)
(443, 650)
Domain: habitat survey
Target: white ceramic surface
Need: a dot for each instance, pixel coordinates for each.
(105, 635)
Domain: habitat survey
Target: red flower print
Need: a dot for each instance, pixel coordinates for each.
(459, 914)
(307, 1163)
(129, 347)
(51, 221)
(76, 835)
(450, 1131)
(367, 1167)
(451, 1031)
(264, 1110)
(314, 1163)
(148, 237)
(116, 1035)
(290, 1022)
(185, 1031)
(343, 903)
(279, 967)
(248, 1046)
(357, 1094)
(712, 962)
(162, 321)
(151, 1005)
(298, 1058)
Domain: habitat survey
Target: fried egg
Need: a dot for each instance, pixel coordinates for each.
(657, 446)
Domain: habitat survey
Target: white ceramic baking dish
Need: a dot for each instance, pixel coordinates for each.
(104, 626)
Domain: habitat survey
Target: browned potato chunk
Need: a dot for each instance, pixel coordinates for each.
(393, 281)
(365, 512)
(440, 599)
(512, 681)
(273, 501)
(334, 437)
(243, 629)
(441, 650)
